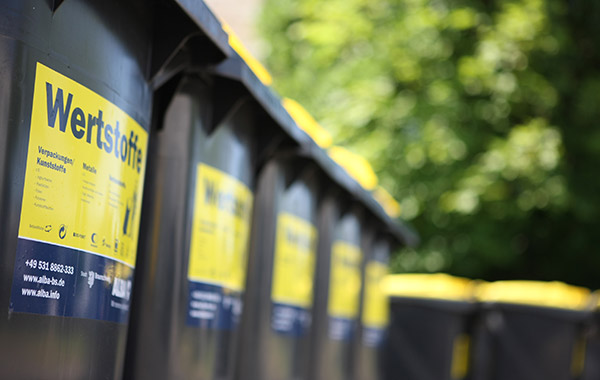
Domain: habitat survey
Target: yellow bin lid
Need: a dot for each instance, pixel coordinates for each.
(307, 123)
(356, 166)
(437, 286)
(536, 293)
(385, 199)
(236, 44)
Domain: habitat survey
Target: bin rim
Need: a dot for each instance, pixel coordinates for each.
(206, 20)
(571, 315)
(552, 294)
(236, 69)
(253, 63)
(461, 307)
(400, 230)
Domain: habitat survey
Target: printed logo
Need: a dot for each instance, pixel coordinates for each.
(62, 232)
(91, 279)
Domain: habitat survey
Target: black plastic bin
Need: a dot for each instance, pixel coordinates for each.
(278, 301)
(374, 309)
(338, 284)
(197, 219)
(591, 359)
(346, 229)
(196, 238)
(428, 334)
(530, 330)
(75, 117)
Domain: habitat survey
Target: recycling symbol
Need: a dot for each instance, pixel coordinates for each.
(62, 232)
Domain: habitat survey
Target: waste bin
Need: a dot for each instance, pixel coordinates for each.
(428, 334)
(337, 287)
(591, 361)
(375, 301)
(343, 238)
(279, 294)
(76, 104)
(199, 205)
(192, 268)
(530, 330)
(374, 309)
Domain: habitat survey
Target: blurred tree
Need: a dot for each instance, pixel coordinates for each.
(479, 116)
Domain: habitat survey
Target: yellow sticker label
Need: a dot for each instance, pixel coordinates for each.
(85, 170)
(294, 263)
(460, 357)
(376, 303)
(220, 229)
(344, 280)
(578, 358)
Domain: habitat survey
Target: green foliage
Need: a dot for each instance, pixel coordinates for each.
(479, 116)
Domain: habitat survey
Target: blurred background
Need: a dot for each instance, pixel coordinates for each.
(479, 116)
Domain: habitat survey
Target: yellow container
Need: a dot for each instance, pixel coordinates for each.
(535, 293)
(437, 286)
(356, 166)
(307, 123)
